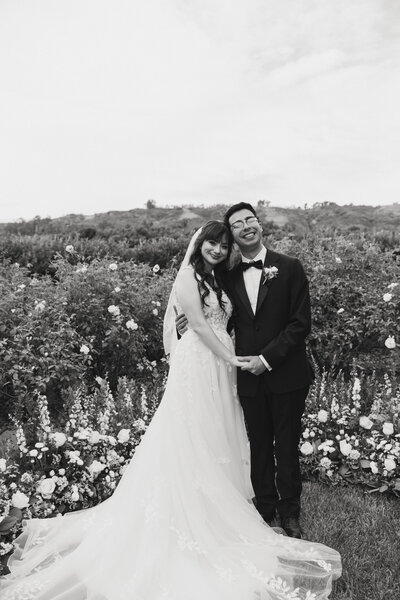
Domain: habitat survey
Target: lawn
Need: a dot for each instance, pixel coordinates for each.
(365, 529)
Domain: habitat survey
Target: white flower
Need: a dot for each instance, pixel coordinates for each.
(61, 472)
(325, 462)
(112, 440)
(155, 311)
(69, 249)
(33, 453)
(388, 428)
(59, 438)
(81, 269)
(390, 342)
(99, 380)
(94, 437)
(156, 268)
(3, 464)
(306, 448)
(387, 297)
(365, 422)
(340, 311)
(338, 260)
(96, 467)
(354, 455)
(19, 500)
(322, 416)
(40, 305)
(123, 435)
(117, 289)
(74, 493)
(113, 266)
(345, 448)
(22, 286)
(114, 310)
(84, 349)
(131, 324)
(46, 488)
(374, 467)
(390, 464)
(391, 286)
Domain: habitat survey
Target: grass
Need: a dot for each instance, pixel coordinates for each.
(365, 529)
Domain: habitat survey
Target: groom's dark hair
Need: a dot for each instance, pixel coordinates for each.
(236, 208)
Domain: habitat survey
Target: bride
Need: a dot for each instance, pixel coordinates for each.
(181, 524)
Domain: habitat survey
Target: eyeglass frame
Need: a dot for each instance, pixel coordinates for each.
(247, 221)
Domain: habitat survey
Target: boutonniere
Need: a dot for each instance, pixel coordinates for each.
(269, 273)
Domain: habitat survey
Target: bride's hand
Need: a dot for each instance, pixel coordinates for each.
(237, 361)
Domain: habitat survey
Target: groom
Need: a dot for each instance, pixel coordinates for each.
(271, 319)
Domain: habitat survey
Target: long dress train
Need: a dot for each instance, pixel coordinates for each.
(180, 525)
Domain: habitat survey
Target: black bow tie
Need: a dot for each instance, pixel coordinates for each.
(258, 264)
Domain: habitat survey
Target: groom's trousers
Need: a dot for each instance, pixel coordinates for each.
(274, 427)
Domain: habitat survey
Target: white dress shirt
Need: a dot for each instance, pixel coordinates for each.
(252, 278)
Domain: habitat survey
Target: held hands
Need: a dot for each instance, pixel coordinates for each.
(251, 363)
(236, 361)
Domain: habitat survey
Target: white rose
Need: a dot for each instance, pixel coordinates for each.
(388, 428)
(84, 349)
(75, 494)
(390, 342)
(390, 464)
(387, 297)
(96, 467)
(306, 448)
(156, 268)
(3, 464)
(94, 437)
(117, 289)
(113, 266)
(131, 324)
(325, 462)
(374, 467)
(19, 500)
(40, 305)
(338, 260)
(123, 435)
(340, 311)
(155, 311)
(354, 455)
(69, 249)
(345, 448)
(322, 416)
(46, 488)
(59, 438)
(114, 310)
(33, 453)
(61, 472)
(365, 422)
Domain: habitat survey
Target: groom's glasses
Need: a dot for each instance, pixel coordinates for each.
(238, 225)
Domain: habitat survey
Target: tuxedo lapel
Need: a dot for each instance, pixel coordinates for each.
(271, 260)
(241, 291)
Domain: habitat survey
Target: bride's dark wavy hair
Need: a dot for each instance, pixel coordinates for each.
(211, 231)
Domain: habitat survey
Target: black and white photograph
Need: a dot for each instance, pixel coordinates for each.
(199, 300)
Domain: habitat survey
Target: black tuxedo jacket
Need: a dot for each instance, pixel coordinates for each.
(277, 330)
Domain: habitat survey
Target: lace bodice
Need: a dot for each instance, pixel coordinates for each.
(216, 316)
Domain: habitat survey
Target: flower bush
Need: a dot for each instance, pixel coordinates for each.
(351, 431)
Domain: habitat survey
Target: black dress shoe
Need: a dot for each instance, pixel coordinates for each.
(292, 527)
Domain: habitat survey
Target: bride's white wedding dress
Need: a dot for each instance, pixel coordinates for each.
(180, 525)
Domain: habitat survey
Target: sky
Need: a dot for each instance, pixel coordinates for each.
(105, 105)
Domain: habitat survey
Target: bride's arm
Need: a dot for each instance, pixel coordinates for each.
(189, 299)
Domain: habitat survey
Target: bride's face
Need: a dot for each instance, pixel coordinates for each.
(214, 252)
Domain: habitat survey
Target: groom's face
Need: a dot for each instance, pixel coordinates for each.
(246, 230)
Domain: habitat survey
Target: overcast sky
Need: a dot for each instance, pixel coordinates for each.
(106, 104)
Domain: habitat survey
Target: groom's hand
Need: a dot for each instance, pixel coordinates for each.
(253, 364)
(181, 323)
